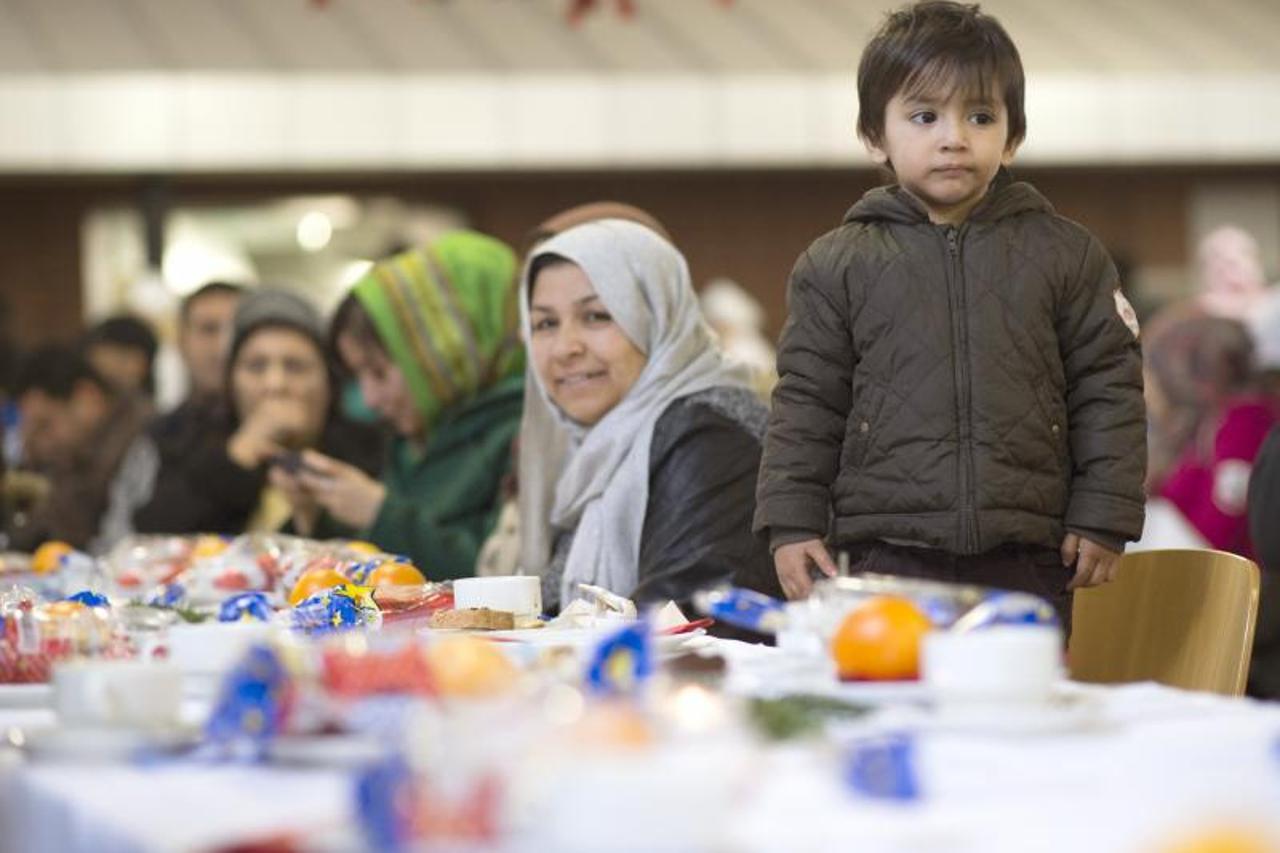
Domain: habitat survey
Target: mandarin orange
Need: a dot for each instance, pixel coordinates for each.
(313, 581)
(879, 640)
(395, 574)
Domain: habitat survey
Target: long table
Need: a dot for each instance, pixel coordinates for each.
(1153, 767)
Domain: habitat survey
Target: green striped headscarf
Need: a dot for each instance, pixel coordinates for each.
(448, 317)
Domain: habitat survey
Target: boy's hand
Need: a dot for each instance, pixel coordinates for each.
(1095, 565)
(792, 564)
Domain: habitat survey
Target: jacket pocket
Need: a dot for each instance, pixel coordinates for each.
(1053, 410)
(859, 429)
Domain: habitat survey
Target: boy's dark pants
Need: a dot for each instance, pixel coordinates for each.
(1023, 568)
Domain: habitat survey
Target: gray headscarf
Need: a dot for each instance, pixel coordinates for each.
(599, 487)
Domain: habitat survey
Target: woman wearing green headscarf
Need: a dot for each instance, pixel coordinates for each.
(432, 338)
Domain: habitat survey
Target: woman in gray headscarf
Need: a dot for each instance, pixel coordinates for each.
(653, 499)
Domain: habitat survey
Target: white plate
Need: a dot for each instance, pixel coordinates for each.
(325, 750)
(105, 744)
(574, 638)
(1063, 713)
(26, 695)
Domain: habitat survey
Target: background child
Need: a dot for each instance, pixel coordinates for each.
(961, 385)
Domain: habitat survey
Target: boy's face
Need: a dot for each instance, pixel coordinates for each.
(945, 150)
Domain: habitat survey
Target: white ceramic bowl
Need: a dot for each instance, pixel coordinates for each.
(1000, 665)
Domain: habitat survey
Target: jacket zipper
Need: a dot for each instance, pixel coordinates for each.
(964, 392)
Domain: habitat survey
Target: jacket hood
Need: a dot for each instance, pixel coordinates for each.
(1005, 197)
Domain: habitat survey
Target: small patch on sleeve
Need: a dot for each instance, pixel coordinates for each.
(1126, 312)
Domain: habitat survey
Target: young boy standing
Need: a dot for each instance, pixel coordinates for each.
(960, 392)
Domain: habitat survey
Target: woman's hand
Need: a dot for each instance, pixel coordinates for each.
(305, 508)
(792, 564)
(344, 491)
(1095, 565)
(266, 430)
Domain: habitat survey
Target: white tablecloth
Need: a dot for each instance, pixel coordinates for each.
(1153, 765)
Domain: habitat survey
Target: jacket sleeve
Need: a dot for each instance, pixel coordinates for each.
(1106, 414)
(810, 404)
(697, 524)
(206, 492)
(1264, 503)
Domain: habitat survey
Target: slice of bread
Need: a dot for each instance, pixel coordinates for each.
(476, 618)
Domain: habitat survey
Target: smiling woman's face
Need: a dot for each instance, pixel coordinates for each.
(584, 359)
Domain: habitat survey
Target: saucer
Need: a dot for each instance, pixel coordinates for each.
(26, 695)
(1062, 713)
(106, 744)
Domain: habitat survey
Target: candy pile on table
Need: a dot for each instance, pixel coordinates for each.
(36, 634)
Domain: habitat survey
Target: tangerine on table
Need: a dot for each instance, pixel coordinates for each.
(362, 547)
(880, 639)
(312, 581)
(395, 574)
(48, 556)
(469, 666)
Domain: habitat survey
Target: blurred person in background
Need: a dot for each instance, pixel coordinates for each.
(431, 335)
(1231, 278)
(122, 350)
(278, 398)
(204, 333)
(655, 497)
(87, 436)
(1208, 421)
(738, 320)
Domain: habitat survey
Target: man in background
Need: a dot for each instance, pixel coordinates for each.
(87, 437)
(204, 331)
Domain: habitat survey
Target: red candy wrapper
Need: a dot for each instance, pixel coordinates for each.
(412, 606)
(355, 671)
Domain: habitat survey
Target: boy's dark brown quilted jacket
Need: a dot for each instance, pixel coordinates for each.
(955, 387)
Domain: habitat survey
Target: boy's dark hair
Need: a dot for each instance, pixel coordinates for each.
(933, 44)
(213, 288)
(56, 370)
(124, 330)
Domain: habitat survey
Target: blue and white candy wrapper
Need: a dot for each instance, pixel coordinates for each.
(883, 768)
(168, 595)
(1007, 608)
(621, 662)
(89, 598)
(246, 607)
(742, 608)
(338, 609)
(251, 708)
(382, 804)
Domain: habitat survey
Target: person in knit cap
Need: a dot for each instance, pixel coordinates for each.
(280, 398)
(432, 337)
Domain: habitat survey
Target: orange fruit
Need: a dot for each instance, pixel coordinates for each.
(469, 666)
(209, 546)
(63, 609)
(362, 547)
(879, 640)
(395, 574)
(312, 581)
(1225, 840)
(48, 557)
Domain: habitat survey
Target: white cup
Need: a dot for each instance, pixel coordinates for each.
(518, 594)
(212, 648)
(1000, 665)
(135, 693)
